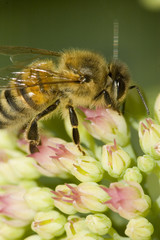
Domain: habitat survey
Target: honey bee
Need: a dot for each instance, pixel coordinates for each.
(75, 78)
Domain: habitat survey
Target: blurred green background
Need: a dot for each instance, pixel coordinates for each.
(88, 24)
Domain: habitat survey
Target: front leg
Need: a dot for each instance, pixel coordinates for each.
(32, 129)
(74, 123)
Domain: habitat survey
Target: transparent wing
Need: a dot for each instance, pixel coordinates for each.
(21, 57)
(49, 78)
(12, 50)
(23, 54)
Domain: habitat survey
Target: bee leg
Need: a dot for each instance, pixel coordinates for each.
(74, 123)
(32, 129)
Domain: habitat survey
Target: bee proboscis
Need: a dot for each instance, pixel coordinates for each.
(78, 78)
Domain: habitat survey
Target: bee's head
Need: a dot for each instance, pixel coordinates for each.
(117, 81)
(120, 79)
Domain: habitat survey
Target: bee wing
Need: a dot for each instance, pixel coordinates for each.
(20, 54)
(11, 50)
(49, 78)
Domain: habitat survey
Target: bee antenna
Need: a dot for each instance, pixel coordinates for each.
(115, 39)
(141, 96)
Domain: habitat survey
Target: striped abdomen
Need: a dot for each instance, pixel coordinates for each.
(20, 105)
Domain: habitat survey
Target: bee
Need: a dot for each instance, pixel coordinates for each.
(75, 78)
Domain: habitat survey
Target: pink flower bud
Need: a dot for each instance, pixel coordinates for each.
(127, 199)
(106, 125)
(56, 157)
(13, 205)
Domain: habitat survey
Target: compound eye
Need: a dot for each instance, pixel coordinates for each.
(86, 79)
(120, 88)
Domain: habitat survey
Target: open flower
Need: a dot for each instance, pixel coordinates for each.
(127, 199)
(56, 157)
(59, 158)
(84, 198)
(106, 125)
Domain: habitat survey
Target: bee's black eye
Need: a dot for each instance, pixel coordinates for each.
(86, 78)
(120, 87)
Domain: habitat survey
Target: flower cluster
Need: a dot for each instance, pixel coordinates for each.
(60, 193)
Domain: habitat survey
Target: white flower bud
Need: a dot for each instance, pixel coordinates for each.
(24, 168)
(98, 223)
(9, 232)
(139, 229)
(87, 169)
(39, 199)
(114, 159)
(145, 163)
(149, 137)
(49, 224)
(133, 174)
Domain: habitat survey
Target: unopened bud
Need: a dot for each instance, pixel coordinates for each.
(49, 224)
(139, 229)
(98, 223)
(133, 174)
(106, 125)
(39, 199)
(149, 136)
(9, 232)
(24, 168)
(87, 169)
(114, 159)
(146, 163)
(75, 225)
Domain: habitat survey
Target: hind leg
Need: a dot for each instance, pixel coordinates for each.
(32, 129)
